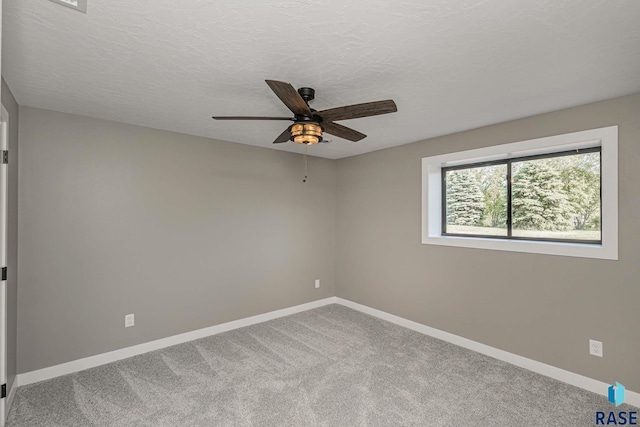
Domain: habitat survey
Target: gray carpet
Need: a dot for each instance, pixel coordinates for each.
(330, 366)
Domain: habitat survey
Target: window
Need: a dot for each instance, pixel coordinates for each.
(554, 195)
(549, 197)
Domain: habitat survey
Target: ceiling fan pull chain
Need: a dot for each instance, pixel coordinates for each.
(305, 163)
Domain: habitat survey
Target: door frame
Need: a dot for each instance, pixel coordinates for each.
(4, 195)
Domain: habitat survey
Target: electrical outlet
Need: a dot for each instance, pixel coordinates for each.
(595, 348)
(317, 283)
(129, 320)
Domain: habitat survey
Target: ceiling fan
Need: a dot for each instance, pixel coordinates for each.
(309, 124)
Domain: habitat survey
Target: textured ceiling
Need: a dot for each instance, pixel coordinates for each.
(449, 65)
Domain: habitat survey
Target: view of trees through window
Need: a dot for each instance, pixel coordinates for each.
(551, 198)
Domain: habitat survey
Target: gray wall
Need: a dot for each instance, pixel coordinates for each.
(185, 232)
(10, 104)
(541, 307)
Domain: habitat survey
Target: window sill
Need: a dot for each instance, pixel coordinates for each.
(581, 250)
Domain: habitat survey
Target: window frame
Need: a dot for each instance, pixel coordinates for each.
(606, 138)
(508, 162)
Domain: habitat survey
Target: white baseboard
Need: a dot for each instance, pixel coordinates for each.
(595, 386)
(10, 396)
(124, 353)
(590, 384)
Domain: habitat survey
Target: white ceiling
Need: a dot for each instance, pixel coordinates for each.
(449, 65)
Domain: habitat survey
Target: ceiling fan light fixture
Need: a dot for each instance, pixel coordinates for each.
(306, 133)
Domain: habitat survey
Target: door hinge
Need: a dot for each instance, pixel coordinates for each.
(4, 391)
(4, 273)
(5, 157)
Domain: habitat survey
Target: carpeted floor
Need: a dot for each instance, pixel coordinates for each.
(330, 366)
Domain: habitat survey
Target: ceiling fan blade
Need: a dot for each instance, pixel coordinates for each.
(342, 131)
(284, 136)
(290, 96)
(358, 110)
(250, 118)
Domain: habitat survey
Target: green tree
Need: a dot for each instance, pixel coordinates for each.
(493, 184)
(465, 201)
(539, 201)
(581, 180)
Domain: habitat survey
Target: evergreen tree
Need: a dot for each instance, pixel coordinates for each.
(539, 201)
(465, 201)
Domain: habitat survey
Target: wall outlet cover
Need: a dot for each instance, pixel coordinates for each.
(595, 348)
(129, 320)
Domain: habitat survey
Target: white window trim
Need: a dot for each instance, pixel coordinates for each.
(606, 138)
